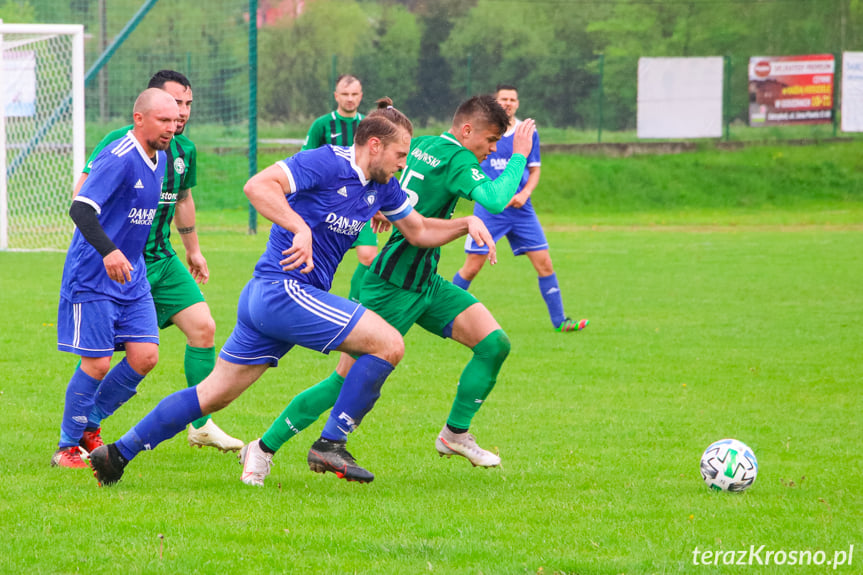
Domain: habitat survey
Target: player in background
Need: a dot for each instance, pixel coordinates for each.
(105, 301)
(518, 222)
(317, 200)
(403, 285)
(177, 297)
(337, 128)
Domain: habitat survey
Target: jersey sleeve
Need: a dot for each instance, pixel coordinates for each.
(307, 169)
(315, 138)
(190, 178)
(115, 135)
(464, 174)
(533, 156)
(396, 203)
(107, 174)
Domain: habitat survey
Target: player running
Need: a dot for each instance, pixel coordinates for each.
(318, 201)
(403, 285)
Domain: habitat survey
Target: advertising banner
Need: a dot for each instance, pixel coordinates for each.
(19, 83)
(852, 92)
(680, 97)
(789, 90)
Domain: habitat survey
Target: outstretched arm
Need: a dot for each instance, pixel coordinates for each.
(266, 191)
(184, 219)
(495, 195)
(433, 232)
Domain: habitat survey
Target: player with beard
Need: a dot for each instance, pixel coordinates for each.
(318, 200)
(177, 297)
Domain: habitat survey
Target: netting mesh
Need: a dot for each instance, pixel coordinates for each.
(39, 140)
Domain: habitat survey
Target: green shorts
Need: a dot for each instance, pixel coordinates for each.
(433, 309)
(173, 288)
(367, 237)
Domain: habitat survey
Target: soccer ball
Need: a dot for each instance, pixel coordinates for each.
(729, 465)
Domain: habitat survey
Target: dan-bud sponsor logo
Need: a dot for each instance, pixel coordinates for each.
(343, 225)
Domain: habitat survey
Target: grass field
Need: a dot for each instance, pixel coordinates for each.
(707, 321)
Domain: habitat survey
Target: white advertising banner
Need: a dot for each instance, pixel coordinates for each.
(19, 83)
(852, 91)
(680, 97)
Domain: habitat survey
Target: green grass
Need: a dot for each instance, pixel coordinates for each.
(750, 332)
(724, 295)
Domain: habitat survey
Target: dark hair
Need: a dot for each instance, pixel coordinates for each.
(482, 109)
(505, 87)
(348, 79)
(162, 77)
(383, 122)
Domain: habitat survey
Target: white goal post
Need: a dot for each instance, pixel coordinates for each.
(41, 133)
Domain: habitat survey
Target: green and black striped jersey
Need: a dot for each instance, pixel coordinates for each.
(180, 174)
(439, 171)
(332, 129)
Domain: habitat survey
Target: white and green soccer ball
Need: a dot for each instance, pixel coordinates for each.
(729, 465)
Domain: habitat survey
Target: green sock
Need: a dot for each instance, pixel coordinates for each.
(478, 378)
(198, 363)
(357, 282)
(303, 411)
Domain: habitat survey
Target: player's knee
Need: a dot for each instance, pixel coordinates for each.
(496, 346)
(202, 333)
(144, 360)
(393, 349)
(96, 367)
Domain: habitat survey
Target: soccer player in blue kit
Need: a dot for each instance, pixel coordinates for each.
(105, 301)
(318, 201)
(518, 222)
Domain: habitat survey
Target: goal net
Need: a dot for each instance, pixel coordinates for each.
(41, 133)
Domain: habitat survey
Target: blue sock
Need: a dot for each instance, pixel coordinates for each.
(169, 418)
(360, 391)
(80, 395)
(460, 281)
(117, 388)
(551, 294)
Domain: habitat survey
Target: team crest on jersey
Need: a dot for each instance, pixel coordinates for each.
(180, 166)
(370, 198)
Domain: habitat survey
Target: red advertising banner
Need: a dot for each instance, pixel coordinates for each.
(787, 90)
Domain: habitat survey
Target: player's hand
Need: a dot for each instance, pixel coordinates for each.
(299, 253)
(518, 200)
(480, 234)
(198, 267)
(380, 223)
(118, 267)
(522, 140)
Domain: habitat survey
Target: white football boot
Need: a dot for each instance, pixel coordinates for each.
(464, 444)
(209, 435)
(256, 463)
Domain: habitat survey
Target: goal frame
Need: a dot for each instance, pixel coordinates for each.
(75, 99)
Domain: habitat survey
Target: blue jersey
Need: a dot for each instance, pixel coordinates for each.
(331, 194)
(496, 161)
(124, 188)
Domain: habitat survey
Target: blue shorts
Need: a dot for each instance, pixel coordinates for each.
(520, 226)
(99, 328)
(275, 315)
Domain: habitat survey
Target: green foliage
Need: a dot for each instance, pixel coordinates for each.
(295, 70)
(17, 12)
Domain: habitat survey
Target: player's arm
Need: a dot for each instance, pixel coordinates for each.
(425, 232)
(267, 193)
(184, 219)
(521, 198)
(495, 195)
(84, 214)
